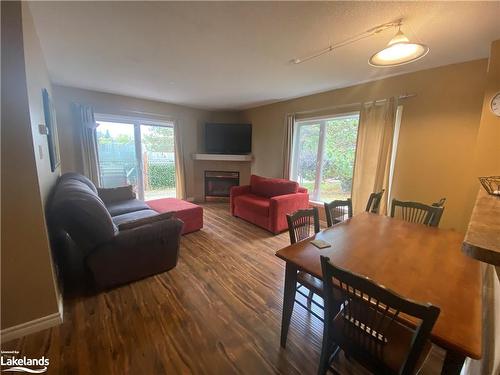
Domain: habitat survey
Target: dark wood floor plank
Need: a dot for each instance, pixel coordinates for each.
(217, 312)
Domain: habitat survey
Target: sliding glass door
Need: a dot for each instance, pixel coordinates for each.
(158, 160)
(323, 156)
(139, 153)
(118, 162)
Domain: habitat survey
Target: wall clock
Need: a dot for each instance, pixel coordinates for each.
(495, 104)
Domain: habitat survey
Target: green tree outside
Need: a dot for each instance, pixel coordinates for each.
(158, 139)
(338, 158)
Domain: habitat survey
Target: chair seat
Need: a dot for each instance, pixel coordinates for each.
(385, 356)
(126, 206)
(310, 282)
(131, 216)
(253, 203)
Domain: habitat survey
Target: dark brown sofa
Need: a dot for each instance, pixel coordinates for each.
(113, 240)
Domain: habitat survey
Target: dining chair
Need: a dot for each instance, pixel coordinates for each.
(416, 212)
(338, 211)
(303, 224)
(374, 200)
(437, 216)
(369, 326)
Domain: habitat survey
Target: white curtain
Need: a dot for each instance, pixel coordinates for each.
(373, 152)
(84, 116)
(180, 184)
(287, 146)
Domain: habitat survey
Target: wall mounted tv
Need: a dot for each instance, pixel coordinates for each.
(233, 139)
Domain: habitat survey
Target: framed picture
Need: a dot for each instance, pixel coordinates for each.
(50, 123)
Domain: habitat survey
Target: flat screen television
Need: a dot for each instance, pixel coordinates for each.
(233, 139)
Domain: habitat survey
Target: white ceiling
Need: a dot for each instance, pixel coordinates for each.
(234, 55)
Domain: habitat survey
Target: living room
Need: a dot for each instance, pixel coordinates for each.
(155, 157)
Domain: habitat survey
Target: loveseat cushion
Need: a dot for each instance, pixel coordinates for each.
(131, 216)
(272, 187)
(145, 220)
(253, 203)
(124, 207)
(116, 194)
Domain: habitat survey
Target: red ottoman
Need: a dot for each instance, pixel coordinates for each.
(190, 213)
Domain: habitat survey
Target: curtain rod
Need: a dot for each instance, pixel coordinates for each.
(141, 115)
(400, 97)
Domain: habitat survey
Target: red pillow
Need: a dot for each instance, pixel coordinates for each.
(272, 187)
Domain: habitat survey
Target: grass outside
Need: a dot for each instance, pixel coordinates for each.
(329, 190)
(159, 193)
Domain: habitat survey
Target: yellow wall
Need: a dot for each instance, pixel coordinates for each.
(437, 137)
(190, 120)
(28, 288)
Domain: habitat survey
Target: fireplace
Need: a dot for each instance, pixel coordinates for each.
(219, 183)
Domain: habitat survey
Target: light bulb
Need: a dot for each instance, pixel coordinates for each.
(399, 51)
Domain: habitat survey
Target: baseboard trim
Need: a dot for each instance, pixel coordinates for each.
(32, 326)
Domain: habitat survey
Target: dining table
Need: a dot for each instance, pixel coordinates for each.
(419, 262)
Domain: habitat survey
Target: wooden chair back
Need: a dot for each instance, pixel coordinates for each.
(370, 310)
(416, 212)
(374, 200)
(303, 224)
(437, 216)
(439, 203)
(337, 211)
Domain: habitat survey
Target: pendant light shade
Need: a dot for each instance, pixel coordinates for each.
(399, 51)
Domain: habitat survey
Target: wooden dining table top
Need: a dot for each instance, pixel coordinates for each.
(419, 262)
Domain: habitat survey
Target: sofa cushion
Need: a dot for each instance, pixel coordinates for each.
(76, 208)
(145, 220)
(253, 203)
(118, 220)
(116, 194)
(124, 207)
(272, 187)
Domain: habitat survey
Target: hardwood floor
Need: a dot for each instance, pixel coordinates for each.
(217, 312)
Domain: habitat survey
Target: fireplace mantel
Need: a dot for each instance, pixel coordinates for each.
(222, 157)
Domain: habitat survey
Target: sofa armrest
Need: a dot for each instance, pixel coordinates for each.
(302, 190)
(136, 253)
(282, 205)
(234, 192)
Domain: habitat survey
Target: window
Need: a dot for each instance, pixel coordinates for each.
(394, 150)
(139, 153)
(323, 156)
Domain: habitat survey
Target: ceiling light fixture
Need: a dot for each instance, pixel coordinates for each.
(399, 51)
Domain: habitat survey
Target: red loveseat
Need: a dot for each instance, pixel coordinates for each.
(267, 201)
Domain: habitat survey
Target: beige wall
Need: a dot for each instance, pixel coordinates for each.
(488, 139)
(28, 288)
(37, 78)
(437, 137)
(190, 120)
